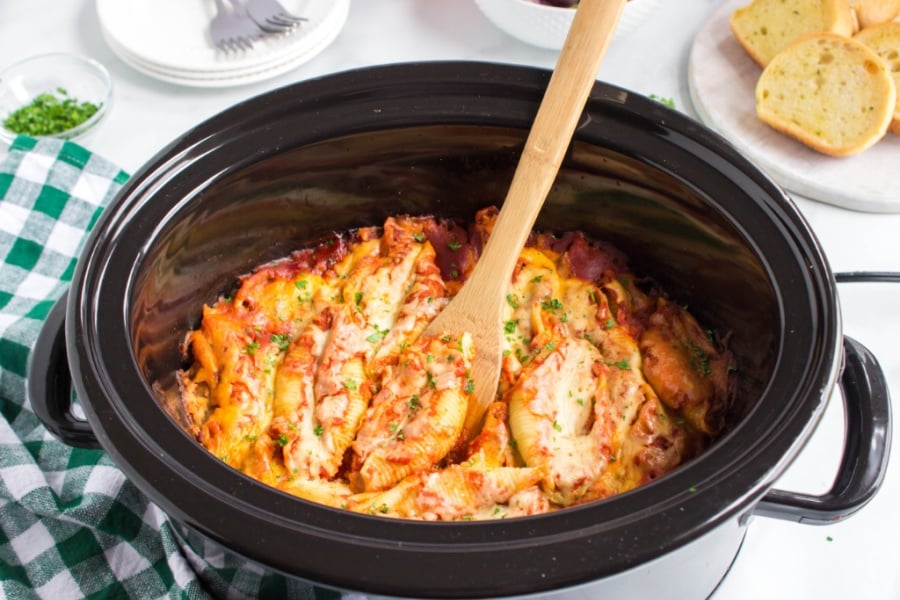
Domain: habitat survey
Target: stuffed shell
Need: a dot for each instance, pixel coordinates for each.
(313, 377)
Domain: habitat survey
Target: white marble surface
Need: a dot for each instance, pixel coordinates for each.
(858, 558)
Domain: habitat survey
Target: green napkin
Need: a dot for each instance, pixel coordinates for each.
(71, 524)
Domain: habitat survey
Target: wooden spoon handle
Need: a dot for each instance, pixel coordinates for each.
(560, 110)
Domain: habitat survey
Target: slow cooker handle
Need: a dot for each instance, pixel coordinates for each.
(50, 383)
(867, 444)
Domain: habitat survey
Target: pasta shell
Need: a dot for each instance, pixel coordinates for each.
(418, 415)
(461, 492)
(554, 410)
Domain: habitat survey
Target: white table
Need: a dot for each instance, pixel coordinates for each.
(859, 558)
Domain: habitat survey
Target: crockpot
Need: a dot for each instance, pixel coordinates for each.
(282, 170)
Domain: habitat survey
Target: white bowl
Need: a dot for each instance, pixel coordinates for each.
(82, 79)
(546, 26)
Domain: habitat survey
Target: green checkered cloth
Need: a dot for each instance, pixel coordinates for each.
(71, 524)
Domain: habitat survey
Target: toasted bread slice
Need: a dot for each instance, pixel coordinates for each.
(765, 27)
(884, 39)
(830, 92)
(873, 12)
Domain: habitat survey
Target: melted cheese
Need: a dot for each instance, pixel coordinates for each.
(314, 379)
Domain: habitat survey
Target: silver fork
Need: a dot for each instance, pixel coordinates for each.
(270, 13)
(232, 30)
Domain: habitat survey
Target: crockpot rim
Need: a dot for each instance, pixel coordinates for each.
(81, 309)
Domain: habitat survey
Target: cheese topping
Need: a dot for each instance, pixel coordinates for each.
(314, 378)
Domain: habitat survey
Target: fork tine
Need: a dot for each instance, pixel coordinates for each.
(280, 24)
(272, 12)
(232, 30)
(270, 26)
(289, 18)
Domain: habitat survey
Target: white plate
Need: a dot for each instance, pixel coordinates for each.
(219, 80)
(722, 80)
(322, 38)
(172, 37)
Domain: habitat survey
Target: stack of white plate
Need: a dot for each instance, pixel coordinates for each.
(169, 40)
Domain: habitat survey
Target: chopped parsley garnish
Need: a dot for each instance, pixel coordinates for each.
(413, 402)
(50, 114)
(670, 102)
(282, 440)
(510, 326)
(700, 359)
(454, 245)
(419, 237)
(383, 509)
(512, 300)
(470, 386)
(251, 348)
(350, 384)
(318, 429)
(281, 340)
(378, 335)
(551, 305)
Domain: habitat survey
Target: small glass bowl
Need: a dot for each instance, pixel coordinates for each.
(546, 26)
(83, 79)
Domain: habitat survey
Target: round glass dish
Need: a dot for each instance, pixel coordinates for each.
(66, 76)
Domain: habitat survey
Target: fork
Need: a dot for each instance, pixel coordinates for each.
(232, 31)
(270, 13)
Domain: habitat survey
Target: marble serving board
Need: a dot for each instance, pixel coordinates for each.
(722, 79)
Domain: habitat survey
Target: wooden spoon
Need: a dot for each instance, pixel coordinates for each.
(478, 307)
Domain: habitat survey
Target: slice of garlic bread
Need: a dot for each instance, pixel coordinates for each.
(873, 12)
(884, 39)
(765, 27)
(830, 92)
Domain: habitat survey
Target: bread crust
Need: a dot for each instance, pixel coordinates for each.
(874, 12)
(884, 39)
(830, 92)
